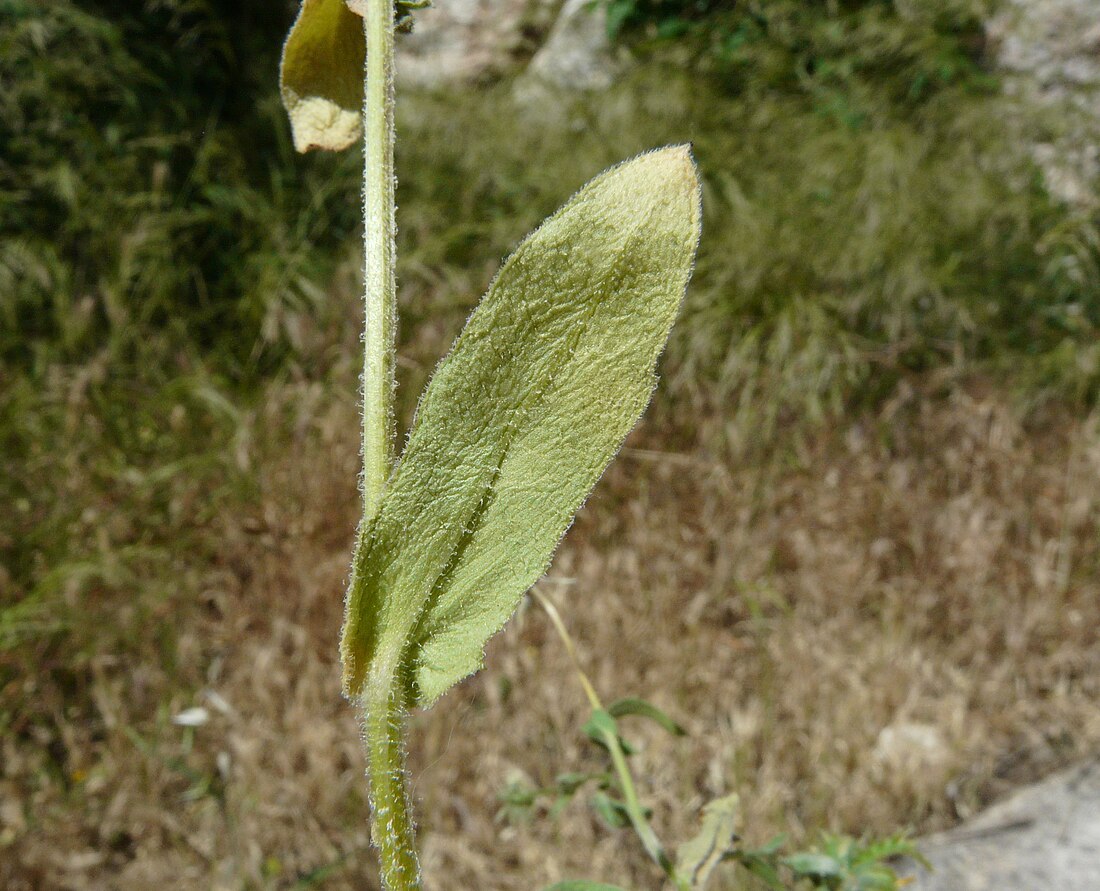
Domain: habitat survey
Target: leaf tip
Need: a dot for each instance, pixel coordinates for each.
(677, 162)
(672, 178)
(684, 171)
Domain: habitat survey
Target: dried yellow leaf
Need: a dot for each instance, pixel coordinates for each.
(321, 78)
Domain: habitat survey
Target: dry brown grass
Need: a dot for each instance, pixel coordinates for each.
(888, 626)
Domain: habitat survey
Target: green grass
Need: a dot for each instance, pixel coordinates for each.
(133, 202)
(154, 270)
(836, 259)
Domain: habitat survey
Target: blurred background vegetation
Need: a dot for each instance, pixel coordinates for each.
(872, 216)
(870, 212)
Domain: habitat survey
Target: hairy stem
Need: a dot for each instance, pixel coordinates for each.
(392, 828)
(379, 228)
(384, 707)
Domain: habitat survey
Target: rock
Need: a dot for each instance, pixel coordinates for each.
(909, 747)
(1049, 51)
(1045, 837)
(564, 45)
(577, 54)
(456, 42)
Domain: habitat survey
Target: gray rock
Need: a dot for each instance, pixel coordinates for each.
(457, 42)
(577, 54)
(559, 45)
(1045, 837)
(1050, 53)
(910, 747)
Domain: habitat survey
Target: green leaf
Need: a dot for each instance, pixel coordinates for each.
(880, 878)
(612, 812)
(634, 706)
(764, 869)
(321, 76)
(551, 372)
(581, 885)
(888, 848)
(818, 866)
(770, 848)
(519, 794)
(568, 783)
(600, 726)
(715, 841)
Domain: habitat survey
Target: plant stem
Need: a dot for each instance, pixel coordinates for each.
(392, 828)
(383, 703)
(379, 227)
(637, 816)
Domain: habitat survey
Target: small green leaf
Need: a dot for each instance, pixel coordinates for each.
(818, 866)
(634, 706)
(519, 795)
(599, 726)
(764, 869)
(321, 76)
(568, 783)
(551, 372)
(581, 885)
(770, 848)
(888, 848)
(612, 812)
(715, 841)
(880, 878)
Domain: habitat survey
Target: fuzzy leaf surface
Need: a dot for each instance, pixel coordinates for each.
(551, 372)
(321, 76)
